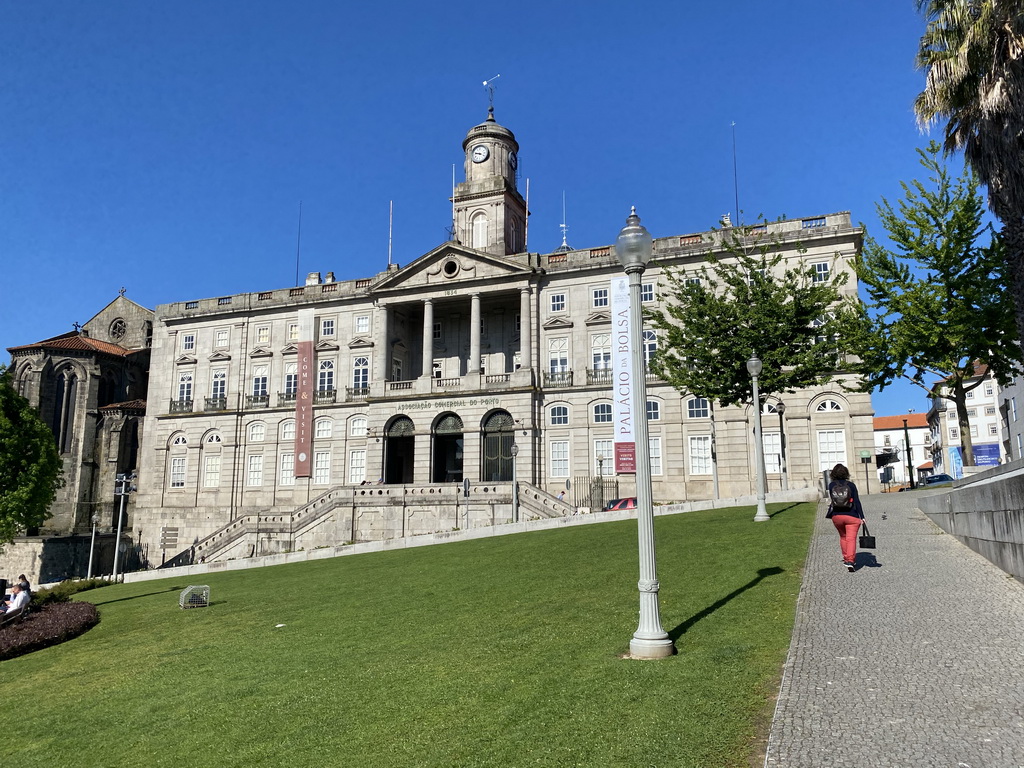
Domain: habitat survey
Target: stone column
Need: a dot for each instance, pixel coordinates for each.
(525, 330)
(382, 360)
(428, 338)
(474, 334)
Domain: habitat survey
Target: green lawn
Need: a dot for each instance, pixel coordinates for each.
(498, 652)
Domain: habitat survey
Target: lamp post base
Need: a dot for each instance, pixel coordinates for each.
(651, 648)
(761, 516)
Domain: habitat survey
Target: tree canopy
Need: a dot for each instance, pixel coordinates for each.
(751, 299)
(30, 467)
(937, 308)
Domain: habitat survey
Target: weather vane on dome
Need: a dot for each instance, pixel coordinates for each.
(489, 85)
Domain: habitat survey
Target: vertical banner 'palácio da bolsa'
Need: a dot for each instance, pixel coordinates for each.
(622, 378)
(304, 396)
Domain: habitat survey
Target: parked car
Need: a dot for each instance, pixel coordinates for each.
(937, 479)
(627, 503)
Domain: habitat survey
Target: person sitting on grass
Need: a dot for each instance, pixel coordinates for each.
(18, 601)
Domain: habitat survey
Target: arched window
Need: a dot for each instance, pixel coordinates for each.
(829, 405)
(64, 406)
(653, 410)
(323, 428)
(288, 429)
(360, 374)
(357, 426)
(257, 432)
(213, 437)
(325, 383)
(603, 413)
(499, 435)
(559, 415)
(480, 231)
(650, 345)
(179, 439)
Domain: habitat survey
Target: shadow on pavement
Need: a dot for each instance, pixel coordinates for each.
(763, 573)
(866, 560)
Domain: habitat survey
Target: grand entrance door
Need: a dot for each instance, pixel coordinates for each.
(499, 434)
(399, 451)
(446, 466)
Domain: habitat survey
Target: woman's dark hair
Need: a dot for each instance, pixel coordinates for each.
(840, 473)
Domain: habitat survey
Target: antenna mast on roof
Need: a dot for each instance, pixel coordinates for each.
(565, 228)
(526, 225)
(391, 219)
(298, 244)
(735, 176)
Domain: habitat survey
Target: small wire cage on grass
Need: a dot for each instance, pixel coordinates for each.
(195, 596)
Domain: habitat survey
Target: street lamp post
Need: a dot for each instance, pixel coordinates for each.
(781, 408)
(634, 248)
(754, 369)
(515, 485)
(92, 544)
(124, 487)
(910, 454)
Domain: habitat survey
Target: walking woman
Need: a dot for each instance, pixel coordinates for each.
(846, 513)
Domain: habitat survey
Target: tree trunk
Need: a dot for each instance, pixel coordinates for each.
(966, 444)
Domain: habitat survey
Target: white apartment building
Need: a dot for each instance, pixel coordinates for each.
(983, 403)
(891, 434)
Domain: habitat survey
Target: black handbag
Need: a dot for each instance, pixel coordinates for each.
(867, 541)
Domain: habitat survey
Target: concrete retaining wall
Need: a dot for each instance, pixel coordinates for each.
(985, 512)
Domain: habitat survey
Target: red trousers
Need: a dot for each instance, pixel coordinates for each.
(847, 525)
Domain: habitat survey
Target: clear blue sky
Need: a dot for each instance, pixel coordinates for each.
(165, 147)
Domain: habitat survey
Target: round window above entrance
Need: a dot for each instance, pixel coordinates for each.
(118, 329)
(450, 268)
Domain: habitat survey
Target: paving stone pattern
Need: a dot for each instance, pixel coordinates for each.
(914, 660)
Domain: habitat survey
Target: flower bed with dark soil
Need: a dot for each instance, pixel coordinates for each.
(52, 624)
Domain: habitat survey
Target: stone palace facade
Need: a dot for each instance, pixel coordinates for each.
(423, 377)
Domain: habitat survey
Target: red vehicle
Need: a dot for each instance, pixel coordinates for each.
(627, 503)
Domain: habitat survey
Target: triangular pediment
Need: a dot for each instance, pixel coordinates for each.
(185, 360)
(290, 349)
(261, 352)
(327, 346)
(360, 342)
(599, 317)
(219, 357)
(449, 265)
(557, 324)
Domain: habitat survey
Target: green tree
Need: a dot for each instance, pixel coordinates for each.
(30, 467)
(750, 299)
(973, 54)
(937, 306)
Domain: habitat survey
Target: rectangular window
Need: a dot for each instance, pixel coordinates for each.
(363, 324)
(601, 351)
(291, 378)
(972, 413)
(293, 331)
(831, 448)
(356, 466)
(322, 467)
(989, 390)
(260, 374)
(654, 444)
(821, 272)
(558, 302)
(694, 281)
(560, 458)
(325, 376)
(700, 455)
(178, 472)
(185, 385)
(970, 394)
(254, 475)
(327, 327)
(517, 323)
(360, 373)
(647, 292)
(993, 429)
(437, 370)
(438, 331)
(220, 338)
(188, 342)
(211, 474)
(974, 430)
(558, 355)
(954, 433)
(219, 385)
(287, 469)
(604, 457)
(263, 334)
(600, 297)
(772, 452)
(990, 410)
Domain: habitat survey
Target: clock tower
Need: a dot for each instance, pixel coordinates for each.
(489, 213)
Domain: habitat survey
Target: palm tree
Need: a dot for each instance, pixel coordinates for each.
(973, 55)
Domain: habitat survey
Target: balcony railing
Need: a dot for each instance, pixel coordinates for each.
(216, 404)
(257, 401)
(498, 378)
(285, 399)
(356, 393)
(450, 383)
(558, 378)
(181, 406)
(325, 396)
(397, 385)
(599, 375)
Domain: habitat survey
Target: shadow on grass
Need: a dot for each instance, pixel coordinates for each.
(762, 574)
(134, 597)
(784, 509)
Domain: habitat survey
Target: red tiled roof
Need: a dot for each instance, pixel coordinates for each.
(914, 421)
(980, 370)
(130, 405)
(77, 342)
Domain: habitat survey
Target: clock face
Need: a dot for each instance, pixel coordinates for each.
(480, 153)
(513, 161)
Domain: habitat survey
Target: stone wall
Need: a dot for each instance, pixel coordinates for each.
(985, 512)
(47, 559)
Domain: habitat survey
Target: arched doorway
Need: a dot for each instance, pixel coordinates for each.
(446, 466)
(399, 450)
(499, 434)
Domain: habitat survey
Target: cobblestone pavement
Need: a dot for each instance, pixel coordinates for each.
(914, 660)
